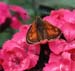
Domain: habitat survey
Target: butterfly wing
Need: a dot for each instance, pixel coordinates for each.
(41, 30)
(32, 34)
(51, 31)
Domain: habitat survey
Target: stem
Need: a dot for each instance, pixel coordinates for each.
(44, 56)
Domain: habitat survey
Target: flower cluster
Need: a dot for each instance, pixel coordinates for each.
(65, 20)
(9, 16)
(17, 55)
(62, 57)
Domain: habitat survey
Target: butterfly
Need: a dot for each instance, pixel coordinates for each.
(41, 30)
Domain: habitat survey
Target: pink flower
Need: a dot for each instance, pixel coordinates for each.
(69, 31)
(62, 57)
(19, 57)
(15, 24)
(24, 28)
(1, 61)
(57, 46)
(20, 36)
(20, 11)
(4, 12)
(70, 48)
(6, 15)
(58, 63)
(62, 15)
(69, 18)
(14, 58)
(53, 21)
(56, 17)
(33, 50)
(65, 20)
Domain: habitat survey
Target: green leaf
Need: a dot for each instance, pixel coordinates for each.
(3, 37)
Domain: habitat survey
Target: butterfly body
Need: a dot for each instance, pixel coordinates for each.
(41, 31)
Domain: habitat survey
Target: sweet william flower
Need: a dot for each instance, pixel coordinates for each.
(57, 46)
(33, 50)
(15, 24)
(15, 59)
(56, 17)
(20, 36)
(19, 57)
(1, 61)
(24, 28)
(61, 60)
(58, 63)
(69, 31)
(64, 19)
(70, 48)
(20, 12)
(18, 42)
(5, 14)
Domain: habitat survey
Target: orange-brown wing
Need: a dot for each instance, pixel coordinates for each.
(51, 31)
(32, 34)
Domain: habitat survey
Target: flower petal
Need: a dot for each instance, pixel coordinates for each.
(57, 46)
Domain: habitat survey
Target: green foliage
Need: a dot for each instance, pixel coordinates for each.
(3, 37)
